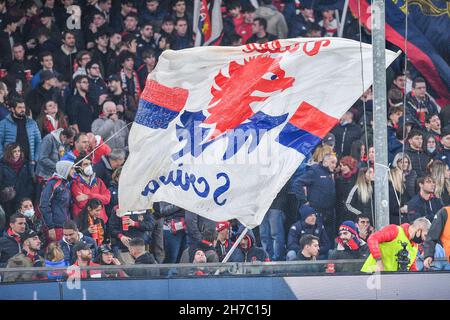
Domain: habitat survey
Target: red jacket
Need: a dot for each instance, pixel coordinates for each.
(96, 189)
(104, 150)
(387, 234)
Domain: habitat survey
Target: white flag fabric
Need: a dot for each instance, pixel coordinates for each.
(208, 24)
(220, 130)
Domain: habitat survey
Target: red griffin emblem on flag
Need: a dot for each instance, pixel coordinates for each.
(205, 20)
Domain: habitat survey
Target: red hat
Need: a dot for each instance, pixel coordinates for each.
(222, 225)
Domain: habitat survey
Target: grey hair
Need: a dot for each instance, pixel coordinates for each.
(117, 154)
(106, 104)
(422, 222)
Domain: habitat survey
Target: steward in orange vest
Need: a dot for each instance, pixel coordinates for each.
(439, 233)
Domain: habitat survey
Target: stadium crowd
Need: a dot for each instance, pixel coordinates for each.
(68, 90)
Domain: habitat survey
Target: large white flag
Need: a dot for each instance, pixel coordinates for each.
(220, 130)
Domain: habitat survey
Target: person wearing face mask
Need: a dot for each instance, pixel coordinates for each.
(33, 221)
(55, 200)
(431, 146)
(87, 186)
(387, 242)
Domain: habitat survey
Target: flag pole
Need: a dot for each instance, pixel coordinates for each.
(344, 16)
(380, 114)
(238, 240)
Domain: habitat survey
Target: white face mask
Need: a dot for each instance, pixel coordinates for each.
(88, 171)
(29, 213)
(431, 150)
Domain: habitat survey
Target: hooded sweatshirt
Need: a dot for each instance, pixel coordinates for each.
(276, 23)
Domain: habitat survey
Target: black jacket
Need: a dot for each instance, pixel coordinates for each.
(22, 182)
(97, 87)
(81, 112)
(419, 207)
(37, 97)
(252, 253)
(146, 258)
(145, 227)
(301, 228)
(9, 247)
(345, 136)
(434, 234)
(104, 171)
(356, 206)
(363, 253)
(343, 188)
(195, 226)
(64, 63)
(419, 160)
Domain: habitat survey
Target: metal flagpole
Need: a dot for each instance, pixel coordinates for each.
(380, 114)
(244, 232)
(344, 16)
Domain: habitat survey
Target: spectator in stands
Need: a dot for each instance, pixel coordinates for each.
(247, 250)
(137, 224)
(126, 103)
(419, 102)
(425, 203)
(182, 38)
(15, 178)
(129, 77)
(71, 237)
(195, 226)
(384, 244)
(238, 22)
(97, 23)
(301, 23)
(105, 257)
(33, 221)
(199, 258)
(102, 54)
(83, 253)
(82, 59)
(433, 126)
(90, 224)
(207, 245)
(31, 245)
(320, 192)
(365, 229)
(165, 42)
(444, 154)
(152, 13)
(81, 145)
(146, 40)
(309, 223)
(55, 200)
(111, 128)
(174, 230)
(19, 64)
(11, 243)
(87, 186)
(223, 243)
(349, 246)
(439, 234)
(345, 180)
(105, 168)
(309, 251)
(440, 172)
(45, 43)
(19, 128)
(276, 24)
(402, 185)
(114, 191)
(8, 37)
(66, 54)
(259, 31)
(97, 148)
(97, 86)
(419, 160)
(44, 92)
(272, 232)
(346, 132)
(80, 109)
(51, 118)
(118, 18)
(54, 258)
(141, 256)
(399, 83)
(360, 200)
(130, 25)
(149, 58)
(47, 23)
(430, 146)
(329, 23)
(4, 108)
(46, 60)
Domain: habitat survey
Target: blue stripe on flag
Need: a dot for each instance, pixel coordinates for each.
(298, 139)
(154, 116)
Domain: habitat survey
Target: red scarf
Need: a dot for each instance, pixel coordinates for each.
(13, 235)
(16, 166)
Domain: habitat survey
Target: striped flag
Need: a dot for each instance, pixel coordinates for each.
(208, 24)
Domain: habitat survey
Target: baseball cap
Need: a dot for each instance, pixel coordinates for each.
(80, 245)
(28, 234)
(105, 249)
(222, 225)
(47, 75)
(113, 77)
(329, 139)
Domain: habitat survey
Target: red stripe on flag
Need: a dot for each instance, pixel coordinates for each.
(309, 118)
(170, 98)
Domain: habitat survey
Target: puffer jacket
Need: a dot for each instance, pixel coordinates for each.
(301, 228)
(252, 253)
(8, 134)
(55, 203)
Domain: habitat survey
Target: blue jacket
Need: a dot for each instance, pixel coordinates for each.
(253, 253)
(8, 132)
(300, 228)
(67, 248)
(55, 275)
(55, 203)
(419, 207)
(320, 185)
